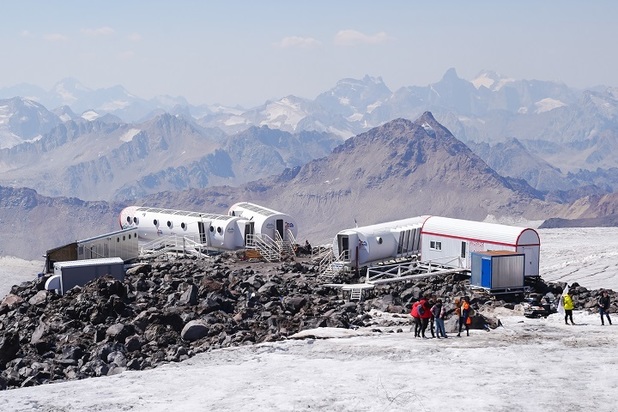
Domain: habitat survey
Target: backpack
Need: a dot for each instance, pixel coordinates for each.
(421, 310)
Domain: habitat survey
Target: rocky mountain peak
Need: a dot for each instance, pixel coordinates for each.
(450, 74)
(23, 119)
(400, 169)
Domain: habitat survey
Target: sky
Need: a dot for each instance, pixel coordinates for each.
(246, 52)
(527, 365)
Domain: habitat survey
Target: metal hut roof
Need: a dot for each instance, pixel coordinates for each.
(261, 210)
(409, 223)
(481, 231)
(195, 215)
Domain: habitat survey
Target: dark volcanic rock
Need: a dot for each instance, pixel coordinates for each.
(194, 330)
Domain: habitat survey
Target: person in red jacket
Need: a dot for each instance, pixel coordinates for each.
(424, 312)
(416, 319)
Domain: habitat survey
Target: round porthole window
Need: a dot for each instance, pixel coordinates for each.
(155, 222)
(169, 224)
(183, 225)
(379, 240)
(219, 230)
(211, 228)
(128, 219)
(136, 220)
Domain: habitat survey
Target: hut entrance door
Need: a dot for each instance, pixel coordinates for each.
(280, 227)
(531, 259)
(200, 227)
(249, 230)
(344, 247)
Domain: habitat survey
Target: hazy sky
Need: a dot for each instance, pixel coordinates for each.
(245, 52)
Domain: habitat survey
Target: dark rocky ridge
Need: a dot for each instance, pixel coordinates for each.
(169, 311)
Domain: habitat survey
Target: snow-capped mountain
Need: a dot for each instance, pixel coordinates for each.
(567, 129)
(23, 120)
(96, 156)
(114, 100)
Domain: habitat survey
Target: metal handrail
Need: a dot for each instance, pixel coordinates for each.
(331, 260)
(266, 245)
(173, 243)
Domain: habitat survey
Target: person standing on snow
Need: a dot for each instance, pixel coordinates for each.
(604, 303)
(464, 316)
(424, 312)
(567, 303)
(432, 318)
(438, 311)
(416, 318)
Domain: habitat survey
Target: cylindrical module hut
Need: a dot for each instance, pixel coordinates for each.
(266, 221)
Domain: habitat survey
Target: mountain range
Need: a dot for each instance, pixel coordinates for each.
(557, 138)
(397, 170)
(332, 162)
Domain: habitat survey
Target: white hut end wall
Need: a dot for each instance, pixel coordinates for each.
(449, 242)
(266, 221)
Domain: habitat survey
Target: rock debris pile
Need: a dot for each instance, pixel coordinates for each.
(168, 311)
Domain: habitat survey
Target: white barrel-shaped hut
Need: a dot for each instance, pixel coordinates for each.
(266, 221)
(212, 230)
(359, 246)
(449, 241)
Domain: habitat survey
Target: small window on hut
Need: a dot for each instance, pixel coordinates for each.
(435, 245)
(169, 224)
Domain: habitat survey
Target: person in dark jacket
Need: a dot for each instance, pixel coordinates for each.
(604, 303)
(438, 313)
(432, 328)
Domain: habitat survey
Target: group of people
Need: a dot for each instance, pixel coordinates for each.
(303, 250)
(430, 312)
(603, 305)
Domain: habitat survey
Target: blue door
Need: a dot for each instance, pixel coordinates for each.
(486, 273)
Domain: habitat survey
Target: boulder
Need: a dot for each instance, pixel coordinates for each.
(119, 331)
(194, 330)
(10, 302)
(39, 298)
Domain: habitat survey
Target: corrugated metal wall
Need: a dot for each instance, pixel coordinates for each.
(507, 271)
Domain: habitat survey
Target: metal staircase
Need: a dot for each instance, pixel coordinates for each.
(329, 266)
(356, 294)
(268, 248)
(286, 247)
(271, 250)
